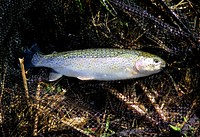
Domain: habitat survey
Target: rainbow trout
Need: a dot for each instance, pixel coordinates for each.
(97, 64)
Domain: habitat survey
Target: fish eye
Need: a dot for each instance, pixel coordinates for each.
(156, 60)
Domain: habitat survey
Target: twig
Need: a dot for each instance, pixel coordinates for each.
(24, 79)
(35, 131)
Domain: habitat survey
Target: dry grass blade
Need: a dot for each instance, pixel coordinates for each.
(1, 95)
(153, 102)
(134, 106)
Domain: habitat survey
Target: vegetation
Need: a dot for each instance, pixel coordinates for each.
(164, 104)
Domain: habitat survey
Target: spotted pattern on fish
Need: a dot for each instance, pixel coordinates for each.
(99, 64)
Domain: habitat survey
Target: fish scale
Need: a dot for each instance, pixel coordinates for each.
(97, 53)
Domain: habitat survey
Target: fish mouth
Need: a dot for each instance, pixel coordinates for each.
(163, 64)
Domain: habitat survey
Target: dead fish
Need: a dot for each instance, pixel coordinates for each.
(96, 64)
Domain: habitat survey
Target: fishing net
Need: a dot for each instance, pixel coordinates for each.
(164, 104)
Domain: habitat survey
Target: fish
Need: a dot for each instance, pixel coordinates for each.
(103, 64)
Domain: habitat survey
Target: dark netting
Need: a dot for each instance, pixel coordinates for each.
(164, 104)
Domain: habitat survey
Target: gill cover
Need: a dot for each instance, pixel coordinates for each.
(149, 65)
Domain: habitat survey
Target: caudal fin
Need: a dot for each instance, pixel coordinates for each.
(29, 54)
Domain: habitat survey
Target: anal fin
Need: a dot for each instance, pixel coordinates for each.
(85, 78)
(53, 75)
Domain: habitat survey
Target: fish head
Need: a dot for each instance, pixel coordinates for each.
(149, 65)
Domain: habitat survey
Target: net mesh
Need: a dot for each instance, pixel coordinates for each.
(165, 104)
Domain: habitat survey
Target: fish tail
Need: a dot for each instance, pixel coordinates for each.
(31, 56)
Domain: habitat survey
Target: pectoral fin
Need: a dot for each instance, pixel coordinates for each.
(53, 75)
(133, 70)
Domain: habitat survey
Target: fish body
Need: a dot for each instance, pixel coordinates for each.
(98, 64)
